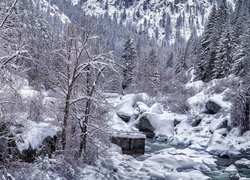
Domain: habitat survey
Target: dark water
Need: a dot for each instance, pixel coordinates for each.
(217, 172)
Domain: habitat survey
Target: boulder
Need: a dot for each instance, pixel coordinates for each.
(28, 155)
(194, 121)
(49, 145)
(156, 108)
(176, 122)
(220, 123)
(124, 116)
(212, 107)
(222, 131)
(146, 127)
(220, 146)
(131, 143)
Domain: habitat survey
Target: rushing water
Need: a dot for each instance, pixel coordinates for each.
(218, 172)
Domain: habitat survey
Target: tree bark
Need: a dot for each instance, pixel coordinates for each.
(65, 118)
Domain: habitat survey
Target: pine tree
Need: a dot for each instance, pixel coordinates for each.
(224, 55)
(242, 40)
(206, 64)
(129, 61)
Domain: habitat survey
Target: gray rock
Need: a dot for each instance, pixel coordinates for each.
(134, 146)
(212, 107)
(195, 121)
(123, 116)
(28, 155)
(48, 146)
(146, 127)
(176, 122)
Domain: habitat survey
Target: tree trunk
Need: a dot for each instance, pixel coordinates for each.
(65, 118)
(245, 124)
(84, 126)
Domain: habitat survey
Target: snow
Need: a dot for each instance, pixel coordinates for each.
(164, 164)
(142, 107)
(218, 99)
(54, 10)
(243, 162)
(220, 145)
(156, 108)
(33, 134)
(126, 105)
(217, 123)
(153, 16)
(129, 134)
(231, 168)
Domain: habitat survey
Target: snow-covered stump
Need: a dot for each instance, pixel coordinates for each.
(132, 143)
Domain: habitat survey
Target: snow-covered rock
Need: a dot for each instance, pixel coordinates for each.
(142, 107)
(243, 162)
(125, 115)
(162, 123)
(194, 120)
(218, 123)
(156, 108)
(146, 127)
(33, 134)
(231, 168)
(221, 146)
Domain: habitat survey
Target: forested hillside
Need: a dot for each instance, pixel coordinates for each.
(77, 74)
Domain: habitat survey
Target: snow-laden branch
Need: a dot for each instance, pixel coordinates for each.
(8, 13)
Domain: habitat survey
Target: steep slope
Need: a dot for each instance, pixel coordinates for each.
(169, 20)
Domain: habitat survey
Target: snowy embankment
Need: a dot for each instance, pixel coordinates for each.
(28, 124)
(203, 131)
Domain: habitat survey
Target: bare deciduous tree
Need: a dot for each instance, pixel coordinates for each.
(76, 76)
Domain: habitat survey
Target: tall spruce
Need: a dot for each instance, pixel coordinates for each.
(129, 58)
(242, 39)
(206, 64)
(224, 54)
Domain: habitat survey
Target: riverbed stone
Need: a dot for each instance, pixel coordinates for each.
(195, 121)
(212, 107)
(131, 144)
(124, 116)
(146, 127)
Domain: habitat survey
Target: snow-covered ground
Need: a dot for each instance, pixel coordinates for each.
(181, 148)
(203, 142)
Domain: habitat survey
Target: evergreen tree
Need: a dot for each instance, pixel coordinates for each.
(129, 58)
(242, 40)
(224, 55)
(206, 64)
